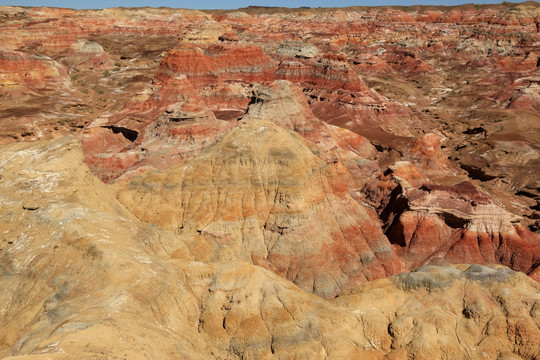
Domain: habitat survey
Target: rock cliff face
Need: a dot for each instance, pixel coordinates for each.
(29, 79)
(270, 183)
(441, 224)
(23, 72)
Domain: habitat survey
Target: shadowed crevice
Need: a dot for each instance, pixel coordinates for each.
(129, 134)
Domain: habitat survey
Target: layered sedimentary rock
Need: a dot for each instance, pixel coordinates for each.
(337, 93)
(31, 79)
(460, 223)
(262, 162)
(222, 73)
(69, 258)
(284, 104)
(523, 94)
(474, 316)
(62, 236)
(22, 73)
(340, 97)
(159, 127)
(259, 194)
(86, 54)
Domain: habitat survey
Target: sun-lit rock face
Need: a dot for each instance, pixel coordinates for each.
(71, 253)
(262, 194)
(161, 126)
(284, 104)
(86, 54)
(451, 224)
(82, 277)
(462, 311)
(221, 73)
(21, 72)
(523, 94)
(270, 183)
(207, 66)
(26, 81)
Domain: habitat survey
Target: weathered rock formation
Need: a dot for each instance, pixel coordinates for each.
(71, 253)
(21, 73)
(284, 104)
(161, 126)
(263, 161)
(87, 54)
(474, 316)
(259, 194)
(30, 79)
(222, 73)
(448, 224)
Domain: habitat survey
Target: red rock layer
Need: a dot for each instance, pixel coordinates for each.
(18, 69)
(263, 194)
(452, 224)
(222, 72)
(216, 63)
(158, 128)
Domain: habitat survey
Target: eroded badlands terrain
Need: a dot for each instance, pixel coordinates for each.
(358, 183)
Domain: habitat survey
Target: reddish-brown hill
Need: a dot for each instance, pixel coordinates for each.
(256, 163)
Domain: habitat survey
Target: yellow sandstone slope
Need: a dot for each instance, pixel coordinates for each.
(82, 278)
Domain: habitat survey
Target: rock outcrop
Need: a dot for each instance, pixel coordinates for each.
(26, 81)
(67, 250)
(222, 73)
(82, 277)
(273, 183)
(436, 312)
(87, 54)
(161, 126)
(284, 104)
(261, 194)
(451, 224)
(21, 73)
